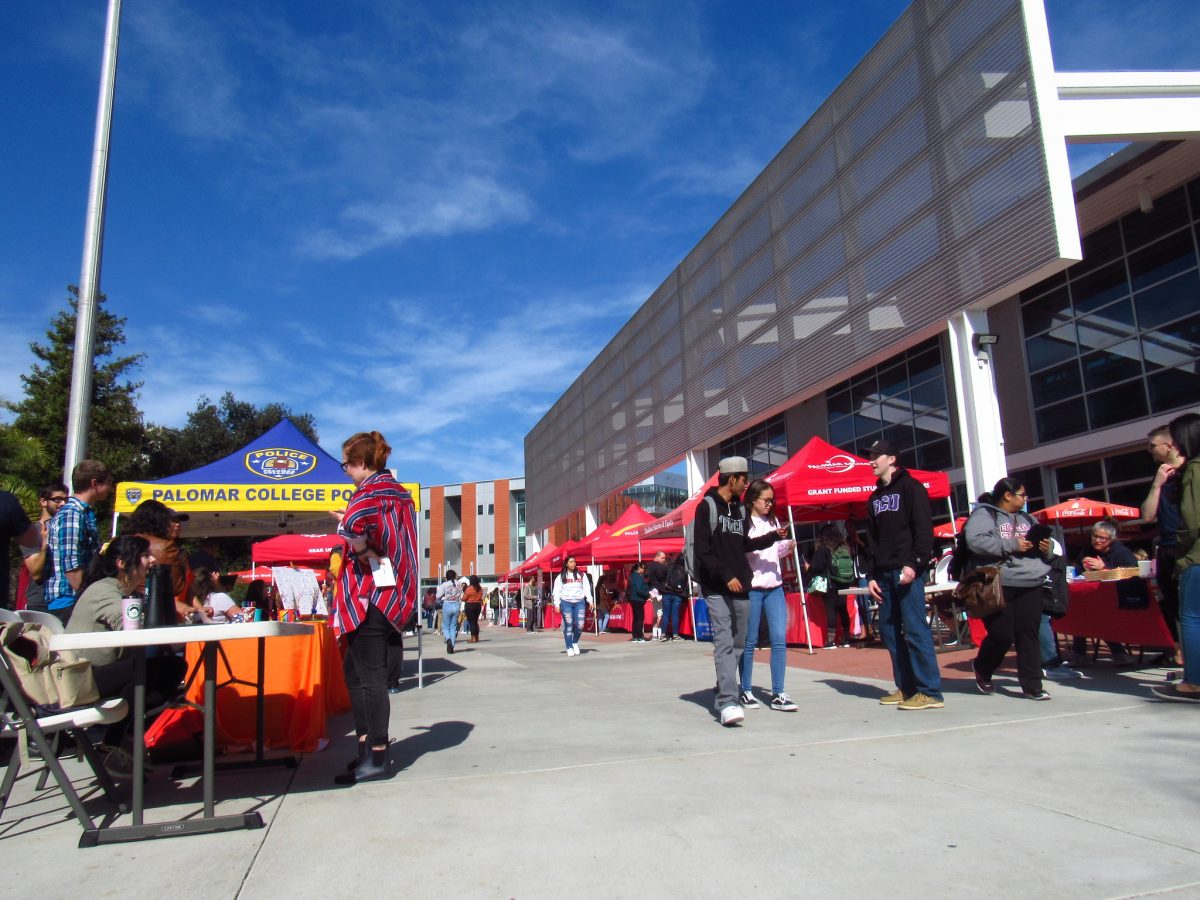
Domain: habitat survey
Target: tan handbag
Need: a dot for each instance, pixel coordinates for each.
(48, 678)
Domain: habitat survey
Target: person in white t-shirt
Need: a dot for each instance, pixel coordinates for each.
(210, 595)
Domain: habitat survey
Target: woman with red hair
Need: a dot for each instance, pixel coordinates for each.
(377, 592)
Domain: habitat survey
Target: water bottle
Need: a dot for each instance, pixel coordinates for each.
(160, 598)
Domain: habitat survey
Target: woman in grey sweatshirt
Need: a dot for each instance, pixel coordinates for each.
(996, 536)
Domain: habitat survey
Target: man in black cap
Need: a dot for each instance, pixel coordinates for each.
(721, 542)
(899, 543)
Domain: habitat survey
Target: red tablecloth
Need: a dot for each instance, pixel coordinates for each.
(303, 685)
(620, 617)
(514, 618)
(1094, 613)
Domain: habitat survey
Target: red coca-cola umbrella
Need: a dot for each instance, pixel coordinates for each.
(1082, 511)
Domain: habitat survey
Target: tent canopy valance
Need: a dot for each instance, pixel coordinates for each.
(306, 549)
(278, 484)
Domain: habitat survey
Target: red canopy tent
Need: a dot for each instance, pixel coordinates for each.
(674, 521)
(598, 546)
(310, 549)
(821, 483)
(579, 548)
(532, 564)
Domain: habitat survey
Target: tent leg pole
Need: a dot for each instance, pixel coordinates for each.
(800, 582)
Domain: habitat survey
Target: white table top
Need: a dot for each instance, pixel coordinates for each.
(179, 634)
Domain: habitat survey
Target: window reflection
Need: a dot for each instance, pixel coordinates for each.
(1124, 328)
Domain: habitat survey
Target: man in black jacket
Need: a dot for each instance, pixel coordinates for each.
(899, 543)
(721, 543)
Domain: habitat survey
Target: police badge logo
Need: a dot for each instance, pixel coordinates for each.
(133, 495)
(280, 463)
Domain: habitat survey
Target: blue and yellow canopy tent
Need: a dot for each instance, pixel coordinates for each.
(281, 483)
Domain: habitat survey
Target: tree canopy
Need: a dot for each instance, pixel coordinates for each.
(31, 447)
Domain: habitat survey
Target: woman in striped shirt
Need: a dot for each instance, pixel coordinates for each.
(377, 592)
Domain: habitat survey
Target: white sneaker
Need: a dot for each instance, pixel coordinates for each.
(575, 647)
(732, 715)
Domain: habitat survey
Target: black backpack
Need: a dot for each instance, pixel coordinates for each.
(960, 560)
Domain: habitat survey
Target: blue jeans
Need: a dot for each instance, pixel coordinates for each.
(771, 602)
(906, 635)
(573, 612)
(603, 622)
(1050, 658)
(1189, 622)
(450, 621)
(672, 605)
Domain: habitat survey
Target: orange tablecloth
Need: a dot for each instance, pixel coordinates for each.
(303, 685)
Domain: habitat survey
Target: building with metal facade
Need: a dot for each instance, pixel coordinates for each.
(925, 185)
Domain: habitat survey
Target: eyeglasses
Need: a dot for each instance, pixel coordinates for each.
(346, 463)
(1101, 539)
(1020, 494)
(56, 499)
(767, 500)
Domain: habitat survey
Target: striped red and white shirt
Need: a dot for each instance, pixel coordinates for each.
(381, 511)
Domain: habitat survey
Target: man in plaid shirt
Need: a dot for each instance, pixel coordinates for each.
(75, 536)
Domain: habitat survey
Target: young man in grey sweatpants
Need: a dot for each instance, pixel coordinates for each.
(721, 543)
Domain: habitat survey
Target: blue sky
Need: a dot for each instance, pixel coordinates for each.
(423, 218)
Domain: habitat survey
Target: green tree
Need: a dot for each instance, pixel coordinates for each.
(214, 430)
(116, 433)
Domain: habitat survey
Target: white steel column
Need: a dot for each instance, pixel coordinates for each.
(591, 518)
(978, 407)
(694, 462)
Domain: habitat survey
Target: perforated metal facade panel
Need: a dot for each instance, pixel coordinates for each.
(919, 188)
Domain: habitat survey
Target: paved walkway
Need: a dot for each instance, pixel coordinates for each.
(525, 773)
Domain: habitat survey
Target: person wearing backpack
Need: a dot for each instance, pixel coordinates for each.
(825, 581)
(675, 591)
(996, 536)
(721, 540)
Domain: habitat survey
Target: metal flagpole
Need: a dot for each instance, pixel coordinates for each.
(800, 582)
(80, 405)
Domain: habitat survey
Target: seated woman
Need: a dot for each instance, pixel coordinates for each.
(119, 572)
(153, 521)
(210, 595)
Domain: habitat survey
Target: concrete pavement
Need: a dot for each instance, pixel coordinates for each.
(525, 773)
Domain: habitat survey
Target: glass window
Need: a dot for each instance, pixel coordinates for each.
(1173, 388)
(935, 456)
(1128, 466)
(1099, 288)
(1061, 420)
(1070, 480)
(1160, 260)
(1055, 384)
(881, 403)
(1051, 348)
(1169, 300)
(841, 431)
(491, 509)
(1047, 311)
(1117, 404)
(1099, 248)
(1031, 479)
(1109, 366)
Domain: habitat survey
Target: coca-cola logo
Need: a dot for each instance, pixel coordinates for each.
(836, 465)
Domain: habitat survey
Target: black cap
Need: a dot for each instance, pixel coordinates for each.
(179, 517)
(880, 448)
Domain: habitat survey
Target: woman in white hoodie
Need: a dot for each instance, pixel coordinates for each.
(766, 596)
